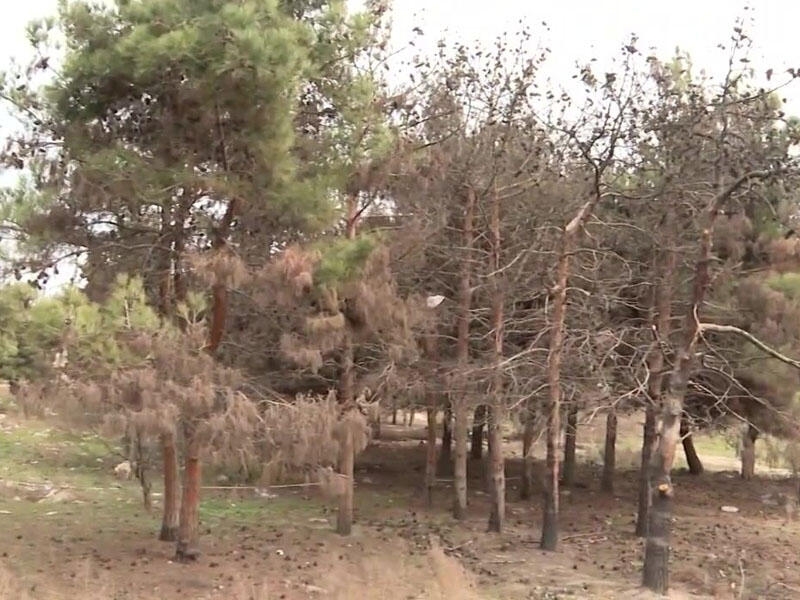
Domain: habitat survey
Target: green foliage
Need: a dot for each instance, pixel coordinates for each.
(786, 283)
(343, 260)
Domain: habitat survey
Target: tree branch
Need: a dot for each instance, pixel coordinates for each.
(750, 338)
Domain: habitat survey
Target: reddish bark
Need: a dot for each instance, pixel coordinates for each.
(749, 452)
(171, 517)
(558, 295)
(188, 548)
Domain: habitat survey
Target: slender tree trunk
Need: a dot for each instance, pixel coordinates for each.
(460, 459)
(478, 421)
(344, 520)
(411, 414)
(692, 459)
(394, 411)
(347, 375)
(446, 455)
(749, 452)
(430, 453)
(463, 318)
(570, 441)
(188, 548)
(430, 353)
(497, 463)
(656, 555)
(648, 442)
(558, 294)
(610, 453)
(661, 315)
(526, 487)
(171, 517)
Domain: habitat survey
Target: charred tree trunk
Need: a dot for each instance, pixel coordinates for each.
(558, 294)
(463, 318)
(430, 453)
(446, 455)
(526, 487)
(749, 452)
(570, 441)
(656, 555)
(692, 459)
(188, 548)
(497, 463)
(478, 421)
(610, 453)
(171, 517)
(661, 318)
(648, 441)
(431, 355)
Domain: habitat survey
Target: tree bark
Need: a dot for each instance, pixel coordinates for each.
(692, 459)
(661, 315)
(171, 517)
(749, 452)
(558, 294)
(496, 414)
(446, 455)
(463, 318)
(430, 453)
(526, 487)
(344, 520)
(479, 419)
(346, 395)
(648, 442)
(656, 555)
(570, 441)
(188, 548)
(610, 453)
(411, 414)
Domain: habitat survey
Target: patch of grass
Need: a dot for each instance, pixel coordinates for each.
(33, 451)
(278, 510)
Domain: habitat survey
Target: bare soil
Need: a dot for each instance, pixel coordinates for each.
(96, 541)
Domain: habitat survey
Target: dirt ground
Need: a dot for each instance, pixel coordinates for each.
(87, 536)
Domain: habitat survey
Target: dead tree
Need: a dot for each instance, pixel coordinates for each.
(498, 408)
(464, 315)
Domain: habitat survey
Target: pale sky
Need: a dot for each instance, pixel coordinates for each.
(578, 30)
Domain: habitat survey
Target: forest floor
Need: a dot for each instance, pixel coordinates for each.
(68, 529)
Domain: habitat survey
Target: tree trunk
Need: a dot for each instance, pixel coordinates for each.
(346, 395)
(692, 459)
(570, 441)
(477, 432)
(460, 459)
(463, 318)
(394, 411)
(749, 452)
(446, 454)
(411, 414)
(344, 520)
(558, 294)
(496, 414)
(648, 441)
(526, 487)
(188, 548)
(430, 453)
(610, 454)
(497, 468)
(171, 517)
(656, 555)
